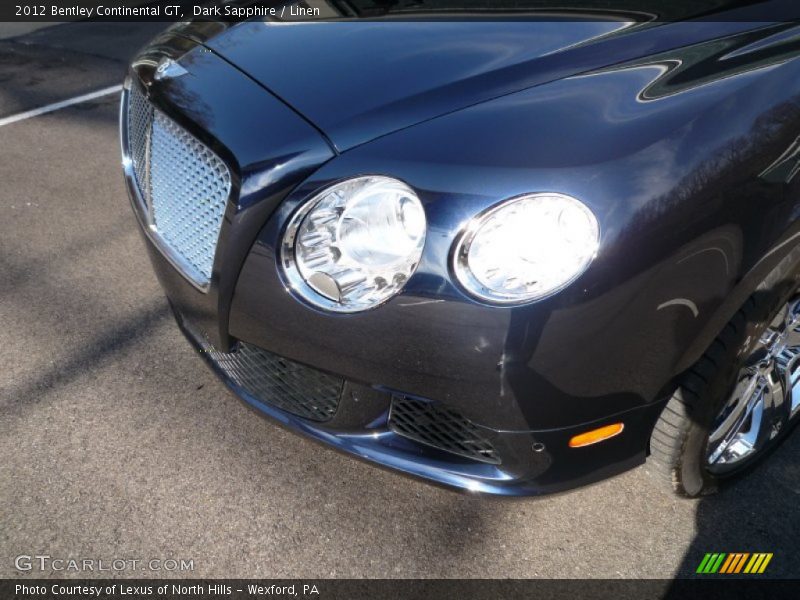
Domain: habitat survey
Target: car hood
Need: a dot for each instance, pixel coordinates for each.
(359, 80)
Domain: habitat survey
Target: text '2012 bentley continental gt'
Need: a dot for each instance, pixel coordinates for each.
(508, 255)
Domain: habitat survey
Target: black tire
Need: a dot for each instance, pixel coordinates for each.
(679, 441)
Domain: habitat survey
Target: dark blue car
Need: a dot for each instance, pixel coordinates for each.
(508, 255)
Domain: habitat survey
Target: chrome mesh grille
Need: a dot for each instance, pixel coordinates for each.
(290, 386)
(140, 118)
(442, 427)
(184, 184)
(189, 186)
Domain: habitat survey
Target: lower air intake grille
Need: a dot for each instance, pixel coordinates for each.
(183, 183)
(292, 387)
(441, 427)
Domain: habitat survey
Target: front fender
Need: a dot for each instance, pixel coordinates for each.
(677, 164)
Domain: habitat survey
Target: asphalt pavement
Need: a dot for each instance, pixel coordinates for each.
(117, 442)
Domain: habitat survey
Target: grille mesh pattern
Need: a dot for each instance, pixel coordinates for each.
(184, 184)
(189, 188)
(140, 118)
(292, 387)
(442, 427)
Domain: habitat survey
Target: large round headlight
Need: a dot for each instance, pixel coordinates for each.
(526, 248)
(355, 244)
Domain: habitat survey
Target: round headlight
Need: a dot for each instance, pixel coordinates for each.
(355, 244)
(526, 248)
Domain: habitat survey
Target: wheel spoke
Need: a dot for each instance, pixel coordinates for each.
(791, 333)
(793, 316)
(775, 385)
(735, 408)
(789, 362)
(745, 441)
(739, 435)
(790, 359)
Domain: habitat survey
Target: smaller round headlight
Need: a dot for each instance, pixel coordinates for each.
(355, 244)
(526, 248)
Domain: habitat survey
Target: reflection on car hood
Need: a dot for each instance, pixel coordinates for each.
(359, 80)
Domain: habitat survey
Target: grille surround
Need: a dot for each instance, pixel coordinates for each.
(280, 382)
(439, 426)
(183, 185)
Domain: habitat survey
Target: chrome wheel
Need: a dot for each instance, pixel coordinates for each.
(765, 398)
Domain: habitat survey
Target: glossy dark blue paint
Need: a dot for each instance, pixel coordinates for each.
(680, 151)
(358, 80)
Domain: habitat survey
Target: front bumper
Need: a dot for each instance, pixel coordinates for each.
(531, 462)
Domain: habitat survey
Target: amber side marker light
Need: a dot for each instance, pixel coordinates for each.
(595, 436)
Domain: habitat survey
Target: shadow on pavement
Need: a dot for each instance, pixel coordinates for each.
(66, 60)
(757, 514)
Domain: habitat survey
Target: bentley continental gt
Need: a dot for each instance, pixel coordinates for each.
(507, 255)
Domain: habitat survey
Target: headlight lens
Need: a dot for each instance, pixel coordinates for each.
(355, 244)
(526, 248)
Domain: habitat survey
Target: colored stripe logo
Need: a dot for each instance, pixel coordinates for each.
(734, 563)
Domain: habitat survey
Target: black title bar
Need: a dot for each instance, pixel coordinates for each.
(239, 10)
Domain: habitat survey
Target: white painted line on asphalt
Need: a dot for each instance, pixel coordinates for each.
(114, 89)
